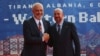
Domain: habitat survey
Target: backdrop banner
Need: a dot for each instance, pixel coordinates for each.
(85, 14)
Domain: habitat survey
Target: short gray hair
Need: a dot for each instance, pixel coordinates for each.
(58, 9)
(37, 3)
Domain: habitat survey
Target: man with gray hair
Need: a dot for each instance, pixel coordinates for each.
(62, 36)
(35, 31)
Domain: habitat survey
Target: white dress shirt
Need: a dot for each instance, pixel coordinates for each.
(61, 24)
(37, 21)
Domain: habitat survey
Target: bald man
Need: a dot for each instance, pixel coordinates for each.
(62, 36)
(35, 33)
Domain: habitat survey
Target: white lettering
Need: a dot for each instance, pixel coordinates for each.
(91, 4)
(98, 4)
(71, 18)
(83, 17)
(19, 18)
(98, 16)
(93, 18)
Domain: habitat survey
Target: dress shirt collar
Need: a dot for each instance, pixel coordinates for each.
(37, 21)
(61, 23)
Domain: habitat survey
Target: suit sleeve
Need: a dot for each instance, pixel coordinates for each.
(76, 40)
(50, 42)
(28, 37)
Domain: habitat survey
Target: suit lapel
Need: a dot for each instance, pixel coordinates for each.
(64, 27)
(34, 25)
(44, 25)
(55, 29)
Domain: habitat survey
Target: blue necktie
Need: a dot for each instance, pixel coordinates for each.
(58, 26)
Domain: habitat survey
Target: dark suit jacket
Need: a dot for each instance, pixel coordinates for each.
(63, 43)
(33, 44)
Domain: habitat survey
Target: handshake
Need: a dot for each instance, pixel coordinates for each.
(45, 37)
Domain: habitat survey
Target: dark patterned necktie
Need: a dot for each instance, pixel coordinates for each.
(40, 28)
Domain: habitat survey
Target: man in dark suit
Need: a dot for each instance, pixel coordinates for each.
(35, 33)
(63, 35)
